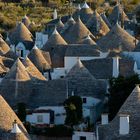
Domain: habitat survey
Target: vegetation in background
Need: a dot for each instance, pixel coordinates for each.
(40, 11)
(120, 89)
(73, 107)
(59, 131)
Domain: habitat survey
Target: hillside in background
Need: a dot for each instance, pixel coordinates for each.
(40, 11)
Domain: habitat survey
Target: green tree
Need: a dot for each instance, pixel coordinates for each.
(120, 89)
(21, 111)
(73, 106)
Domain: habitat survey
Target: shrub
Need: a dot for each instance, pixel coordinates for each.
(59, 131)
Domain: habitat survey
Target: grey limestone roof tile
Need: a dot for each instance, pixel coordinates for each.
(26, 21)
(117, 39)
(76, 33)
(97, 25)
(7, 117)
(131, 108)
(117, 15)
(38, 59)
(21, 34)
(82, 50)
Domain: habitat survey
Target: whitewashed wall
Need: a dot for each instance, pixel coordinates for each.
(59, 115)
(58, 73)
(89, 107)
(88, 135)
(90, 101)
(33, 118)
(69, 62)
(20, 46)
(41, 39)
(134, 55)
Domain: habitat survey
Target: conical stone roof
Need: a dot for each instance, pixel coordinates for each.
(131, 101)
(3, 69)
(76, 33)
(32, 70)
(4, 48)
(54, 39)
(104, 17)
(5, 64)
(97, 25)
(38, 59)
(68, 25)
(85, 13)
(17, 72)
(7, 117)
(20, 34)
(130, 107)
(10, 54)
(79, 71)
(59, 25)
(117, 15)
(26, 21)
(87, 40)
(117, 39)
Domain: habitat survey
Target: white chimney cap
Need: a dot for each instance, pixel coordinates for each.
(124, 124)
(104, 119)
(55, 31)
(15, 128)
(85, 5)
(35, 47)
(79, 7)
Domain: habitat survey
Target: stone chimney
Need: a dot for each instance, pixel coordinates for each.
(55, 14)
(104, 118)
(136, 70)
(115, 67)
(124, 124)
(79, 7)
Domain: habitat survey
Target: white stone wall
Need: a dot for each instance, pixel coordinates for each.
(90, 101)
(33, 118)
(115, 67)
(20, 47)
(136, 57)
(124, 125)
(89, 108)
(69, 62)
(59, 115)
(41, 39)
(58, 73)
(88, 135)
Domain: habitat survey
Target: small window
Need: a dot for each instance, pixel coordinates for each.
(84, 100)
(82, 138)
(21, 53)
(40, 118)
(61, 77)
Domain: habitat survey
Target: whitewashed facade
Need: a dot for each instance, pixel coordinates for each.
(41, 39)
(79, 135)
(21, 50)
(45, 117)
